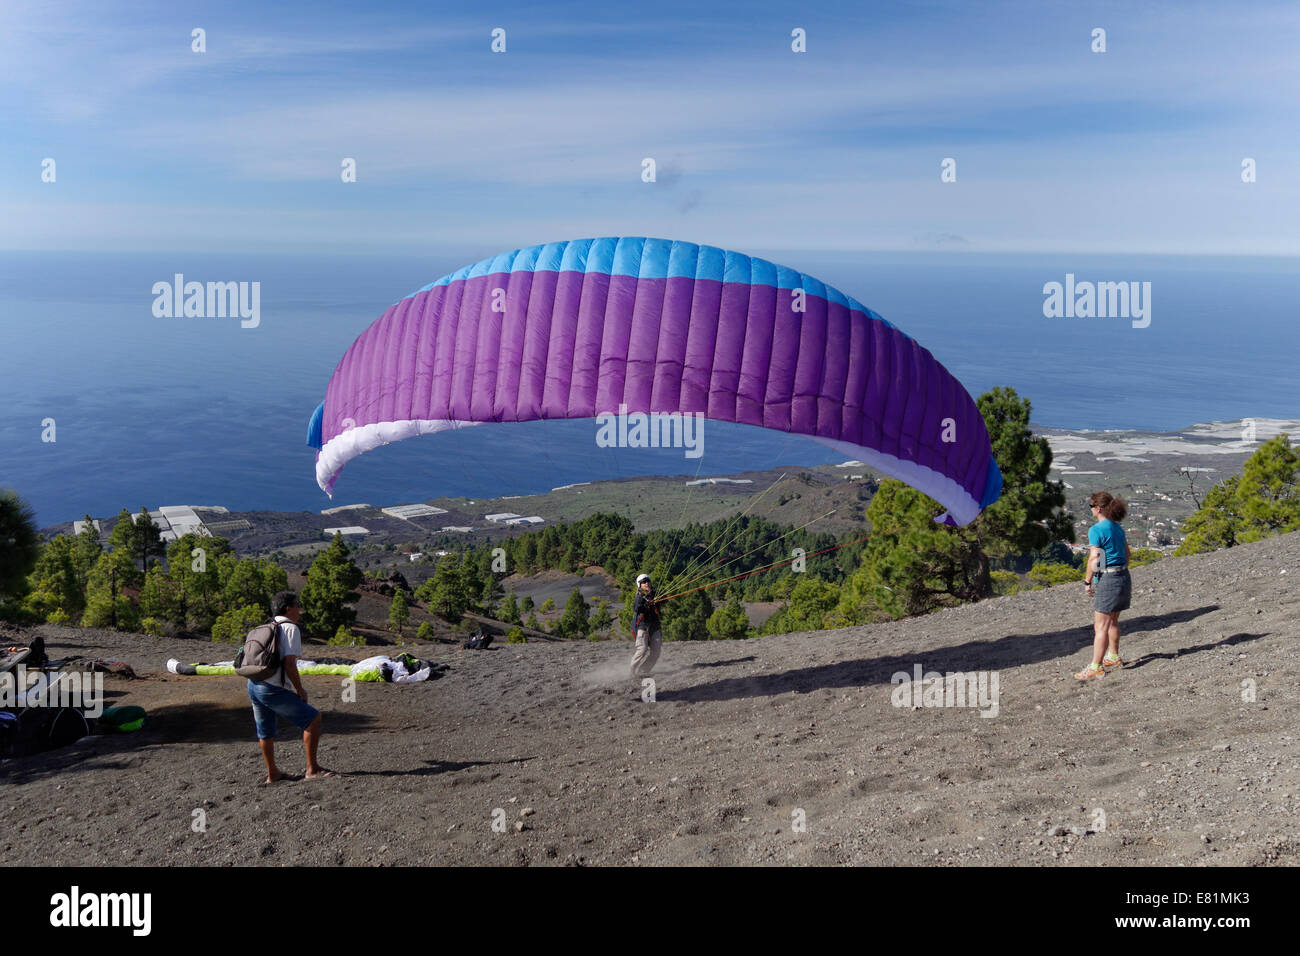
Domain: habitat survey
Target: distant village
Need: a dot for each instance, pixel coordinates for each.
(176, 521)
(1158, 534)
(409, 512)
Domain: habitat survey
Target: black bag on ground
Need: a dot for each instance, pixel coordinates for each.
(68, 726)
(8, 734)
(37, 729)
(37, 656)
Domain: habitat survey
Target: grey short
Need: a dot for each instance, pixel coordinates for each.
(1113, 592)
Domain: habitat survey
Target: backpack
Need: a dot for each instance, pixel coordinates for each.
(260, 658)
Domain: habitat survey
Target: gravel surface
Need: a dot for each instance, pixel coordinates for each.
(777, 750)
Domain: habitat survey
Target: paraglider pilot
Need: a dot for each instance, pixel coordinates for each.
(645, 617)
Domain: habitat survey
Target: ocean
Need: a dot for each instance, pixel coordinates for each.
(153, 411)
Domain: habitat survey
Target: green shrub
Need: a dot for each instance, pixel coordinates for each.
(1140, 556)
(1047, 575)
(516, 636)
(344, 637)
(1005, 582)
(424, 632)
(728, 621)
(233, 626)
(151, 626)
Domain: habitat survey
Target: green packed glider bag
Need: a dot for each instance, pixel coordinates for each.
(122, 720)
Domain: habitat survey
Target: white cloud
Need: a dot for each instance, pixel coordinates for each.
(838, 150)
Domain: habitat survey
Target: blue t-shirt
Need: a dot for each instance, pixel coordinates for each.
(1109, 536)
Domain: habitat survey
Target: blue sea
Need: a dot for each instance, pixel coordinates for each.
(155, 411)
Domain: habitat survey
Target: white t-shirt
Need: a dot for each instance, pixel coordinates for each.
(290, 646)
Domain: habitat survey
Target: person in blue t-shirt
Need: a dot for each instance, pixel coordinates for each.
(1107, 580)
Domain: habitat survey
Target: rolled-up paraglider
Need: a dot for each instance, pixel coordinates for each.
(595, 327)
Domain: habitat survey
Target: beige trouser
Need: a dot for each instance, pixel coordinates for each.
(648, 645)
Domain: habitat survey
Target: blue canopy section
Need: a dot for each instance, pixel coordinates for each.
(992, 485)
(314, 427)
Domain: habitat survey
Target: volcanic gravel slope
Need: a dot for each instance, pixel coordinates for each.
(776, 750)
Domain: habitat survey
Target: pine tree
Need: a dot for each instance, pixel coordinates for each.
(510, 609)
(20, 544)
(729, 622)
(448, 592)
(812, 606)
(911, 565)
(107, 604)
(331, 583)
(601, 617)
(148, 540)
(687, 618)
(193, 564)
(124, 540)
(87, 551)
(573, 622)
(1270, 490)
(55, 592)
(476, 585)
(1218, 523)
(398, 613)
(250, 581)
(160, 597)
(526, 557)
(232, 626)
(1264, 500)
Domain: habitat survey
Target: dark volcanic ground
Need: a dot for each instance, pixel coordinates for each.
(776, 750)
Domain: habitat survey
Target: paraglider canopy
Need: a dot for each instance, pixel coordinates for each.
(594, 327)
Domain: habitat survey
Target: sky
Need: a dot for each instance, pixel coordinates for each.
(1057, 148)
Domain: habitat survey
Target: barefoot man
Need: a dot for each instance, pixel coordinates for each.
(272, 696)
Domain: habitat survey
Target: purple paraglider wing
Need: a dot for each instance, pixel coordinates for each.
(597, 326)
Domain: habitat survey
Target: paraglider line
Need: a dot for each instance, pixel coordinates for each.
(760, 547)
(693, 565)
(682, 531)
(714, 584)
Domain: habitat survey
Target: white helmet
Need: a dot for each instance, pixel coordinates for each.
(642, 577)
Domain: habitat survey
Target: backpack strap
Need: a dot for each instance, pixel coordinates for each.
(276, 624)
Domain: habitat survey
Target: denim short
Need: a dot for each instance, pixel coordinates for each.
(269, 700)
